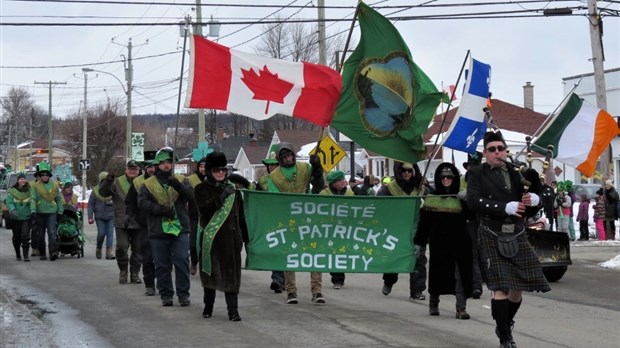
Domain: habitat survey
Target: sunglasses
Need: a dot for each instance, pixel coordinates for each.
(444, 177)
(44, 174)
(407, 170)
(220, 170)
(499, 148)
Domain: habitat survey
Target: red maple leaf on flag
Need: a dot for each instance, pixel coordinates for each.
(266, 86)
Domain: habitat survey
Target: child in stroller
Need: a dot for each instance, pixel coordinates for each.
(69, 236)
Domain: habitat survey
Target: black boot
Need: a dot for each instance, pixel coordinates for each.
(500, 309)
(433, 305)
(208, 299)
(16, 246)
(26, 251)
(231, 303)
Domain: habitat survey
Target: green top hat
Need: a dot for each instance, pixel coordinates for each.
(272, 159)
(43, 167)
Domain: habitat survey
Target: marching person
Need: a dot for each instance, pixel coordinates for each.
(291, 176)
(68, 197)
(408, 182)
(101, 212)
(46, 206)
(194, 180)
(127, 229)
(18, 205)
(164, 197)
(337, 185)
(271, 163)
(131, 209)
(502, 203)
(443, 222)
(222, 233)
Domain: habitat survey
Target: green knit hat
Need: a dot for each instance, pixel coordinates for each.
(334, 176)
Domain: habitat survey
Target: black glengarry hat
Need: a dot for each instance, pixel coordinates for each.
(492, 136)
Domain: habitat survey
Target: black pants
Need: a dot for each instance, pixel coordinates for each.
(610, 229)
(584, 233)
(126, 238)
(417, 278)
(148, 265)
(337, 278)
(21, 236)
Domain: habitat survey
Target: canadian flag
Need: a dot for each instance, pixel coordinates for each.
(258, 87)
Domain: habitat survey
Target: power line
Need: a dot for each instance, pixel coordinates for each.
(83, 64)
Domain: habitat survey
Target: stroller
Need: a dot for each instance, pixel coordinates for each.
(69, 235)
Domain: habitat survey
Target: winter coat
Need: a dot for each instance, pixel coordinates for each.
(582, 214)
(228, 242)
(563, 204)
(18, 202)
(611, 200)
(118, 189)
(443, 219)
(154, 218)
(100, 207)
(45, 198)
(599, 208)
(131, 201)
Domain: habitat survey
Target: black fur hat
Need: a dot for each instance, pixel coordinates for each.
(215, 160)
(492, 136)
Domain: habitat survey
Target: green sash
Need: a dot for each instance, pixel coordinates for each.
(295, 179)
(165, 196)
(209, 232)
(124, 184)
(194, 180)
(138, 182)
(20, 196)
(396, 190)
(98, 196)
(442, 204)
(48, 195)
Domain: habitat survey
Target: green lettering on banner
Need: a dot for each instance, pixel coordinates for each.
(322, 233)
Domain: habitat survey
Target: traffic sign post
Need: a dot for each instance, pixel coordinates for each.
(84, 164)
(329, 152)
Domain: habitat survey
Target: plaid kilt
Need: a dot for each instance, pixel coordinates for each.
(522, 272)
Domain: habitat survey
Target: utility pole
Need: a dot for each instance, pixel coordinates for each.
(201, 112)
(50, 137)
(322, 48)
(595, 24)
(85, 133)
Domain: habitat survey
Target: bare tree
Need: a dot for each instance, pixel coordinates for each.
(106, 137)
(23, 115)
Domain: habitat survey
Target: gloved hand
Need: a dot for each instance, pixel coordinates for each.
(167, 212)
(238, 179)
(58, 217)
(13, 214)
(110, 176)
(228, 190)
(175, 183)
(462, 195)
(33, 217)
(91, 221)
(315, 161)
(511, 208)
(126, 221)
(535, 199)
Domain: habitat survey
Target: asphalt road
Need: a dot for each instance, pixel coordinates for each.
(78, 303)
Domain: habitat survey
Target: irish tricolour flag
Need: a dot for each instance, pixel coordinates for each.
(579, 134)
(260, 87)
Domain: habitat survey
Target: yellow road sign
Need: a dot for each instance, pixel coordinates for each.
(329, 152)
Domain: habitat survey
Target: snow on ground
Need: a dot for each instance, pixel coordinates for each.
(613, 263)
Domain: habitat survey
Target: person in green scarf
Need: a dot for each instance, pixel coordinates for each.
(294, 177)
(18, 205)
(337, 185)
(101, 212)
(46, 206)
(221, 234)
(164, 196)
(443, 220)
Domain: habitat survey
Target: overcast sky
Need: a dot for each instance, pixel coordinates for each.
(541, 50)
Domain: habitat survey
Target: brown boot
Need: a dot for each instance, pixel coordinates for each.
(35, 252)
(98, 253)
(110, 256)
(122, 278)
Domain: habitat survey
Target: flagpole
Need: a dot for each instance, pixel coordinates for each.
(176, 130)
(445, 115)
(547, 121)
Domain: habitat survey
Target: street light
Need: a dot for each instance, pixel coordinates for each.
(128, 96)
(84, 138)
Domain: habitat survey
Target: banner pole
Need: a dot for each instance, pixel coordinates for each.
(176, 129)
(435, 149)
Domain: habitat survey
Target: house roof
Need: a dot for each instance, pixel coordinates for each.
(255, 154)
(297, 137)
(230, 146)
(506, 116)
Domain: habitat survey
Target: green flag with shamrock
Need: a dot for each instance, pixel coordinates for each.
(387, 101)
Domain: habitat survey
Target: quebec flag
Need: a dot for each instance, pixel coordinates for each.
(469, 125)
